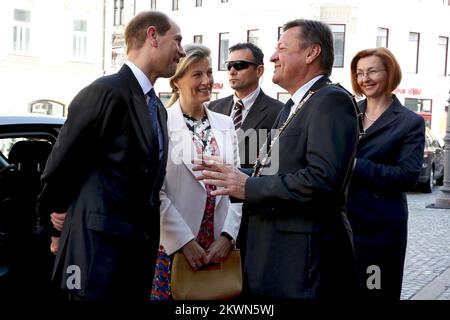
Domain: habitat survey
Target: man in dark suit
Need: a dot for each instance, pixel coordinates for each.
(253, 112)
(107, 167)
(299, 241)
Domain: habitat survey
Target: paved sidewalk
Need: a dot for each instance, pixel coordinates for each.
(438, 289)
(427, 264)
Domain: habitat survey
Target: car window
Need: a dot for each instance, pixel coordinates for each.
(431, 140)
(14, 130)
(428, 140)
(6, 145)
(436, 144)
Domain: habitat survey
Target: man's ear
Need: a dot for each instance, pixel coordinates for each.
(312, 53)
(152, 36)
(259, 71)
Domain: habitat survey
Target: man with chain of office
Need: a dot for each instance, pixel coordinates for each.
(299, 241)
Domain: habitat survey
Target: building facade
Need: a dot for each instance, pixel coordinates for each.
(414, 30)
(49, 50)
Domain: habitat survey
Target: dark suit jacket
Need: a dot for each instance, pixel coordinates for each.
(105, 171)
(389, 160)
(261, 116)
(299, 241)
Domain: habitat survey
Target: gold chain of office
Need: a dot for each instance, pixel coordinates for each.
(259, 164)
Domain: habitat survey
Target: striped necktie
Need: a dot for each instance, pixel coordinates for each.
(237, 116)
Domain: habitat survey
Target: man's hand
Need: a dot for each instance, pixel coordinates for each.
(229, 180)
(58, 220)
(54, 246)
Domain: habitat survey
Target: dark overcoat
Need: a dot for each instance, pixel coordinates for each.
(105, 171)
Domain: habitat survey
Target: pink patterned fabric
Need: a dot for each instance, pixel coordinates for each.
(205, 144)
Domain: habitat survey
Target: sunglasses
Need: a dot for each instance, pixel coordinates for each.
(239, 64)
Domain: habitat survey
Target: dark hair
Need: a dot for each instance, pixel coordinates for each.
(391, 65)
(257, 53)
(316, 32)
(136, 30)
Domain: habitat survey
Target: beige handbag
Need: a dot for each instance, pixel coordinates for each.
(217, 282)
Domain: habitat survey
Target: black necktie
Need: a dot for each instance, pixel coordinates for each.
(237, 116)
(285, 113)
(153, 110)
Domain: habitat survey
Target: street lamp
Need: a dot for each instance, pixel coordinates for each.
(443, 199)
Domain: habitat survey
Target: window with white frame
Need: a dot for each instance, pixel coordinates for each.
(45, 106)
(382, 37)
(224, 43)
(118, 12)
(419, 105)
(413, 52)
(174, 5)
(283, 96)
(339, 44)
(198, 38)
(79, 48)
(165, 97)
(252, 36)
(198, 3)
(153, 4)
(21, 31)
(442, 55)
(280, 32)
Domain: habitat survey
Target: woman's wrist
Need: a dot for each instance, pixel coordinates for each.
(230, 238)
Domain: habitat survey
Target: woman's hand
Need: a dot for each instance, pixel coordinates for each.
(194, 254)
(218, 250)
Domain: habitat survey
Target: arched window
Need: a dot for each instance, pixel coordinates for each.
(50, 107)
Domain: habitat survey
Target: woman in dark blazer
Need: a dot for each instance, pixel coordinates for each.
(387, 164)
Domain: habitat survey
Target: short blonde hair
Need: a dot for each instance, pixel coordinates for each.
(194, 53)
(390, 63)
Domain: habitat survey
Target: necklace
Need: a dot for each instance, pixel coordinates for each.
(390, 101)
(367, 117)
(194, 114)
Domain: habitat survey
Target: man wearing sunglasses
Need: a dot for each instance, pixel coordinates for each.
(251, 109)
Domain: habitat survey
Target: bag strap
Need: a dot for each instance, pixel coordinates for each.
(361, 133)
(359, 114)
